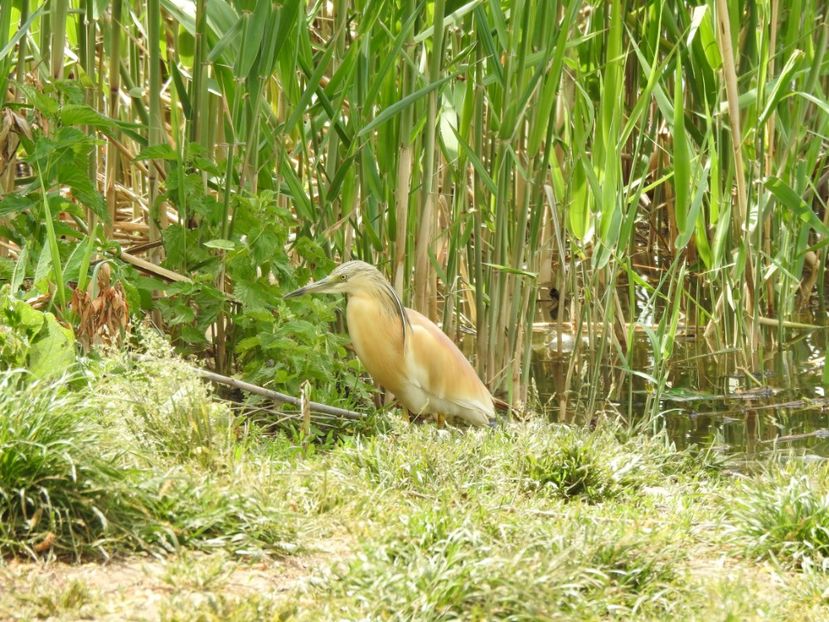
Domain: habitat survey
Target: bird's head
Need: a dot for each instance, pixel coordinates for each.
(352, 277)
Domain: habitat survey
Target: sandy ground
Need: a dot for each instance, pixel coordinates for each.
(146, 588)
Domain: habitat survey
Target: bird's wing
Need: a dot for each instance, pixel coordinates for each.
(437, 366)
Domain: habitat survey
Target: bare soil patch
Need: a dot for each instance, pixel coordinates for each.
(148, 588)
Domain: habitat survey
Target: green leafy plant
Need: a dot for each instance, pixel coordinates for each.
(32, 339)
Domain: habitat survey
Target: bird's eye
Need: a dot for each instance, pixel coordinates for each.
(343, 277)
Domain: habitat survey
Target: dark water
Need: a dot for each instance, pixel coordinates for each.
(776, 400)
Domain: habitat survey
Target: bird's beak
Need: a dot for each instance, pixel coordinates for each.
(309, 289)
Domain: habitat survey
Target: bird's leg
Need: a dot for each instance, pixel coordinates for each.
(440, 419)
(413, 417)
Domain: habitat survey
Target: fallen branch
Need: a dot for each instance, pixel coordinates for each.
(770, 321)
(324, 409)
(148, 266)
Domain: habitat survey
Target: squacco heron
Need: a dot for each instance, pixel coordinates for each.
(404, 351)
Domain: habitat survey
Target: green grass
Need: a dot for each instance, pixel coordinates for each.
(140, 459)
(57, 479)
(785, 515)
(525, 522)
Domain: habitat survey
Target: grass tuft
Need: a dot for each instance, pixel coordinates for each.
(633, 568)
(785, 515)
(60, 490)
(570, 468)
(148, 462)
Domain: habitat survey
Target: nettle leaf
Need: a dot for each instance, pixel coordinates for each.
(71, 140)
(256, 316)
(184, 248)
(194, 336)
(71, 90)
(43, 103)
(248, 343)
(23, 316)
(300, 328)
(179, 312)
(207, 166)
(157, 152)
(270, 342)
(53, 351)
(13, 203)
(82, 188)
(254, 294)
(81, 114)
(262, 246)
(207, 207)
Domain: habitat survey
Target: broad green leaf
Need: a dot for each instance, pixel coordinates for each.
(21, 32)
(42, 269)
(720, 238)
(252, 41)
(28, 318)
(578, 212)
(53, 351)
(692, 223)
(75, 114)
(157, 152)
(447, 125)
(793, 201)
(781, 85)
(398, 106)
(702, 23)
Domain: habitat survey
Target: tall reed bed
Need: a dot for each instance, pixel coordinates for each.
(658, 164)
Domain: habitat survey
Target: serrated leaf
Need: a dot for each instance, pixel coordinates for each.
(157, 152)
(53, 351)
(13, 203)
(79, 114)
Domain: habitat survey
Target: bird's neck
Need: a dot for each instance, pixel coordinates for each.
(377, 299)
(385, 297)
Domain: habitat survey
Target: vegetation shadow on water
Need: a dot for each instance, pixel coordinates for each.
(709, 397)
